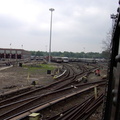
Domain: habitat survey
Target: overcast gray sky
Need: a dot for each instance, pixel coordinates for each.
(78, 25)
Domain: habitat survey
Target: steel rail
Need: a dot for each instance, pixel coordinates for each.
(76, 111)
(66, 112)
(44, 105)
(60, 90)
(33, 98)
(40, 89)
(82, 112)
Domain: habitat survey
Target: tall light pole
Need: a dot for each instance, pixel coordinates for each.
(84, 52)
(10, 51)
(51, 9)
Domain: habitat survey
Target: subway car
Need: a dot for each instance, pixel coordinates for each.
(112, 100)
(65, 59)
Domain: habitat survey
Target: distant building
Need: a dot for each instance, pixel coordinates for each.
(6, 53)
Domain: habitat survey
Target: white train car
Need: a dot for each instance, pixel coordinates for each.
(65, 59)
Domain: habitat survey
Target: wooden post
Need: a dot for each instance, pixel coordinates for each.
(95, 92)
(28, 78)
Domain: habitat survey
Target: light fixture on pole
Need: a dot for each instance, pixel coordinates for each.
(51, 9)
(22, 46)
(113, 17)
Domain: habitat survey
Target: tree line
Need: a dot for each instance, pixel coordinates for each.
(104, 54)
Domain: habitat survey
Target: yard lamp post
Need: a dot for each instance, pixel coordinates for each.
(113, 17)
(51, 9)
(10, 51)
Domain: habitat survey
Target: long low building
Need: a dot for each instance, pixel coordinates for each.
(6, 53)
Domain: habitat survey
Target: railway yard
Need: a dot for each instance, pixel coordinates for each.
(57, 91)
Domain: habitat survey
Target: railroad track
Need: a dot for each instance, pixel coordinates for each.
(53, 86)
(41, 98)
(81, 111)
(70, 76)
(39, 102)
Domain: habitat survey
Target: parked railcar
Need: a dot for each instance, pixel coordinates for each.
(87, 60)
(65, 59)
(112, 101)
(57, 59)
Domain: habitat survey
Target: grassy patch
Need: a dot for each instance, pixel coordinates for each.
(47, 66)
(39, 68)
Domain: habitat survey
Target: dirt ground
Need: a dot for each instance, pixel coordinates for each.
(20, 77)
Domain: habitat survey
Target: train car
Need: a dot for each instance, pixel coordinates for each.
(73, 59)
(87, 60)
(57, 59)
(112, 102)
(65, 59)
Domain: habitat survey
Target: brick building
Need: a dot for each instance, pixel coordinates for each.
(6, 53)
